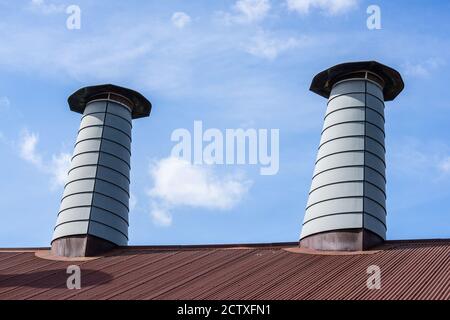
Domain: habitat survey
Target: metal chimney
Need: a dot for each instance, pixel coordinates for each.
(346, 209)
(93, 216)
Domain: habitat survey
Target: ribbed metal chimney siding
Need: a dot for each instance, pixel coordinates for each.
(96, 196)
(348, 188)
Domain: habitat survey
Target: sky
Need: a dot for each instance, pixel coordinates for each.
(230, 64)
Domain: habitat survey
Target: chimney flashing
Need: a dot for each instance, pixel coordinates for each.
(81, 246)
(342, 240)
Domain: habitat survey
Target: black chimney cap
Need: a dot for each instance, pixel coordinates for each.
(140, 106)
(324, 81)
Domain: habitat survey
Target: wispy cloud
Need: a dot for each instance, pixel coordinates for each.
(4, 103)
(180, 20)
(247, 11)
(418, 175)
(57, 168)
(423, 69)
(252, 10)
(3, 138)
(445, 165)
(133, 201)
(268, 46)
(160, 215)
(330, 7)
(46, 7)
(412, 157)
(27, 149)
(178, 183)
(158, 58)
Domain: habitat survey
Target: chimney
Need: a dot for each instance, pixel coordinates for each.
(346, 209)
(93, 216)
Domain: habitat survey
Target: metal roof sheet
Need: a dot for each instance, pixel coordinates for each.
(418, 269)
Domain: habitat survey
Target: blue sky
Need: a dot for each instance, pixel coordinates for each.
(231, 64)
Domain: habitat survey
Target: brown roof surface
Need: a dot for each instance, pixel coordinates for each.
(409, 270)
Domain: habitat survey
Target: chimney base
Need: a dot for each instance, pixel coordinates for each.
(342, 240)
(81, 246)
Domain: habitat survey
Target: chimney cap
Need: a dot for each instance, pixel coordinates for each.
(140, 106)
(324, 81)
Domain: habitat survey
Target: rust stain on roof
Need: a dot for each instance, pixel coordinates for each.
(409, 270)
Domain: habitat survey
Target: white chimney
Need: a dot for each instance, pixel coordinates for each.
(346, 209)
(93, 216)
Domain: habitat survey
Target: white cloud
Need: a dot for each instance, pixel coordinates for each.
(133, 201)
(331, 7)
(180, 19)
(161, 216)
(266, 46)
(57, 168)
(416, 70)
(252, 10)
(423, 69)
(174, 64)
(45, 7)
(4, 103)
(179, 183)
(416, 158)
(27, 148)
(445, 165)
(247, 11)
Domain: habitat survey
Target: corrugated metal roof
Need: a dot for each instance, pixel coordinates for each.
(409, 270)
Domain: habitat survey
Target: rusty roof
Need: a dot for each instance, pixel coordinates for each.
(418, 269)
